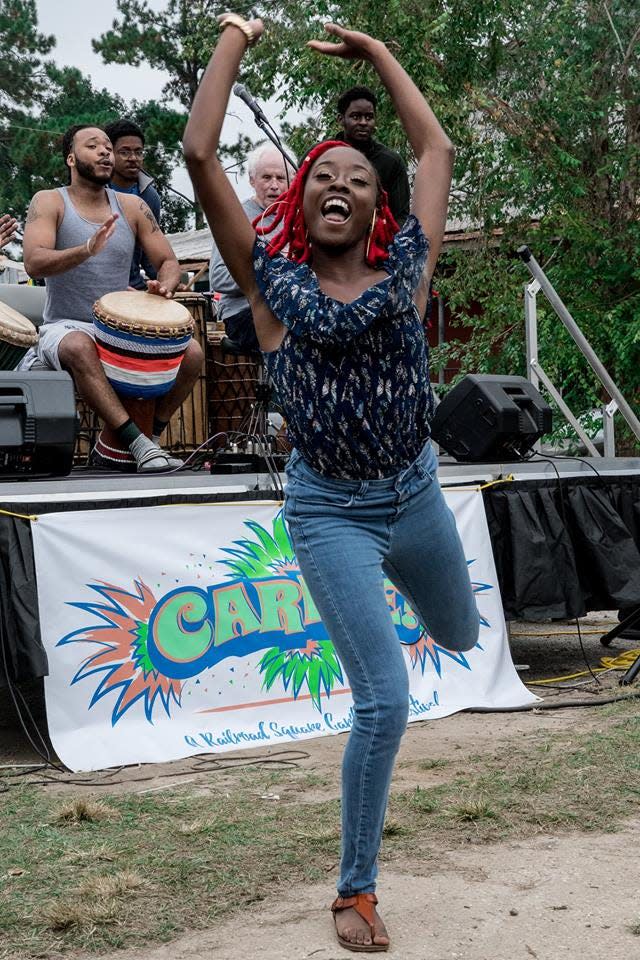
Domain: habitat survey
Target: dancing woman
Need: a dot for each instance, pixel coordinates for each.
(338, 320)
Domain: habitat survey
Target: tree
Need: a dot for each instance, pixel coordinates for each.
(22, 83)
(177, 40)
(41, 100)
(21, 46)
(32, 153)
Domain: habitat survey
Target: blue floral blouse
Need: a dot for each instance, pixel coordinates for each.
(352, 378)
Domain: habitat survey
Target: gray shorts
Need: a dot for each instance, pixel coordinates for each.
(44, 356)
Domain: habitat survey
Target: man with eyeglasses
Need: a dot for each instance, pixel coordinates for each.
(127, 140)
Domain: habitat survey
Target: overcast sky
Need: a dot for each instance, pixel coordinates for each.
(75, 23)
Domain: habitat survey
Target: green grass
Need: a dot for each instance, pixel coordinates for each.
(137, 869)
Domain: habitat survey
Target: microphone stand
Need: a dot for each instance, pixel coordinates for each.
(167, 186)
(268, 130)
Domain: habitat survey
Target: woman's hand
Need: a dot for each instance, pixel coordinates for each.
(256, 25)
(353, 45)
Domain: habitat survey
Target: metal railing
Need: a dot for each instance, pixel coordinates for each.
(536, 373)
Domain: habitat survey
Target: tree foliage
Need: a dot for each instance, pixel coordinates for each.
(32, 152)
(21, 49)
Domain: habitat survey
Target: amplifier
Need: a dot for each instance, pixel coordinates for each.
(489, 419)
(38, 423)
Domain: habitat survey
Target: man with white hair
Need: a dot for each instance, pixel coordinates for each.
(268, 178)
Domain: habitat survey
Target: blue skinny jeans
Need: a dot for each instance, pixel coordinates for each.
(348, 536)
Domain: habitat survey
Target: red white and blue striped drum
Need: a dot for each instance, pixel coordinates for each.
(141, 340)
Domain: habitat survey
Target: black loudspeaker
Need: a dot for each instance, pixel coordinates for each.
(487, 419)
(38, 424)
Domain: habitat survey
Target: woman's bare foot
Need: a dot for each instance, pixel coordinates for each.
(354, 923)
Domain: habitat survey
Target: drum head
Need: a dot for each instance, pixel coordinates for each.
(143, 313)
(16, 329)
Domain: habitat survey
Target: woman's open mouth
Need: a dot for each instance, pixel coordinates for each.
(336, 210)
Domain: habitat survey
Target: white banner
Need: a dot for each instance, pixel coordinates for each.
(179, 630)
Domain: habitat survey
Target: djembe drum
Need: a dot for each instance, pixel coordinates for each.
(188, 428)
(17, 334)
(141, 340)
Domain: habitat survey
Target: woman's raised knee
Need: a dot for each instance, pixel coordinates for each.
(460, 636)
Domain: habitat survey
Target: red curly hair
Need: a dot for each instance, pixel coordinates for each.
(293, 229)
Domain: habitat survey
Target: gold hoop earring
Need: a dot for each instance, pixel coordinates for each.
(372, 226)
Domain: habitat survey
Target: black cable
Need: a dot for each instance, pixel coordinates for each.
(166, 186)
(204, 763)
(562, 456)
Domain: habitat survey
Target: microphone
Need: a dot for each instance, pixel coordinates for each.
(241, 91)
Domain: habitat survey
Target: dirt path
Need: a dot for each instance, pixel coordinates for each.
(548, 898)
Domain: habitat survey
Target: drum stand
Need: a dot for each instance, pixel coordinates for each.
(255, 426)
(258, 423)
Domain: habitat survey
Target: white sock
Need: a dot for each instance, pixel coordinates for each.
(149, 457)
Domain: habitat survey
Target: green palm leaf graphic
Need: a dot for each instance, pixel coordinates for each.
(271, 546)
(281, 536)
(317, 665)
(140, 650)
(320, 670)
(264, 556)
(244, 566)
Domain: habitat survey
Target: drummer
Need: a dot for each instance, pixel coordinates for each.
(81, 239)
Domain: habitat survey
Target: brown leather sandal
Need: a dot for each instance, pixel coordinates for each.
(363, 904)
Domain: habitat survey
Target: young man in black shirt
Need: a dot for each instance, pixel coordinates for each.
(357, 114)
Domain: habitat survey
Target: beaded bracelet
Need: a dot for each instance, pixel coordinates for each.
(235, 20)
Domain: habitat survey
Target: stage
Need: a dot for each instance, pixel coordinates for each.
(565, 534)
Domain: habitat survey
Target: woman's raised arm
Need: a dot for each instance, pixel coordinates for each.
(432, 147)
(232, 232)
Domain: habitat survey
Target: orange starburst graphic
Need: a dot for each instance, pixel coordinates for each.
(123, 657)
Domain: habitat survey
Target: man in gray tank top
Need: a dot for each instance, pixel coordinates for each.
(81, 239)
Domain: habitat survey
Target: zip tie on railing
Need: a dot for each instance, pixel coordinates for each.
(491, 483)
(20, 516)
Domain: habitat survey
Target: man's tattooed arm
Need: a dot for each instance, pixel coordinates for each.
(33, 213)
(149, 216)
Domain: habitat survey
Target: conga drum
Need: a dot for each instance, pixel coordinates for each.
(233, 385)
(17, 334)
(141, 340)
(188, 428)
